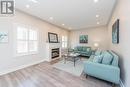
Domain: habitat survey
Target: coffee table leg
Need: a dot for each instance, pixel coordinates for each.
(74, 62)
(64, 60)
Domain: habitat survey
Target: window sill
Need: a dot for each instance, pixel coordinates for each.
(25, 54)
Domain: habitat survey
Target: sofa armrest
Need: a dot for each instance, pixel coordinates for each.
(90, 52)
(106, 72)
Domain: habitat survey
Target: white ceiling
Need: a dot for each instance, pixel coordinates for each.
(75, 14)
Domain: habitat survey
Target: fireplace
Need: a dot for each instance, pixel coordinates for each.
(55, 53)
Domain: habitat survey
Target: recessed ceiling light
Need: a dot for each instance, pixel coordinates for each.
(34, 1)
(51, 18)
(98, 22)
(27, 6)
(97, 16)
(63, 24)
(96, 1)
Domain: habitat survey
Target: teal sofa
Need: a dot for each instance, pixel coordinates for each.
(106, 72)
(83, 50)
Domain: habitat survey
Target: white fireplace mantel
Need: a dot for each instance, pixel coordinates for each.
(49, 47)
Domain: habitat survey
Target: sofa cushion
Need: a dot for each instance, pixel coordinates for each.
(88, 49)
(115, 59)
(79, 48)
(84, 49)
(98, 59)
(98, 52)
(107, 58)
(81, 52)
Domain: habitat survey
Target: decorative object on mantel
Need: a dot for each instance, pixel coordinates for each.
(53, 37)
(115, 32)
(3, 37)
(83, 39)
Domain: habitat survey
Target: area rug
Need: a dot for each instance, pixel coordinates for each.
(69, 66)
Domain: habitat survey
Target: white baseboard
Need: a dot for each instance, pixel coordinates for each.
(121, 83)
(20, 67)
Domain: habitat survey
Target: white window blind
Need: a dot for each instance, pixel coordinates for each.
(64, 42)
(27, 40)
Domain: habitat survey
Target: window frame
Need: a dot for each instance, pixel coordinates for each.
(28, 40)
(64, 42)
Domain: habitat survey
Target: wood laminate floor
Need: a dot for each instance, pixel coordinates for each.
(44, 75)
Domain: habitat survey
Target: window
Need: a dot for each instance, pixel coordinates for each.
(64, 42)
(27, 40)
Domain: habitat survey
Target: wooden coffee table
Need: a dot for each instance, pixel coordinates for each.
(72, 57)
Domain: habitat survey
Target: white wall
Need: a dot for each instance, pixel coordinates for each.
(8, 61)
(98, 35)
(122, 12)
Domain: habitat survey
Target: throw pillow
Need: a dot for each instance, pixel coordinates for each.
(98, 52)
(88, 49)
(98, 59)
(107, 58)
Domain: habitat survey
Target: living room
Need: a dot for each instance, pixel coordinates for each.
(58, 43)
